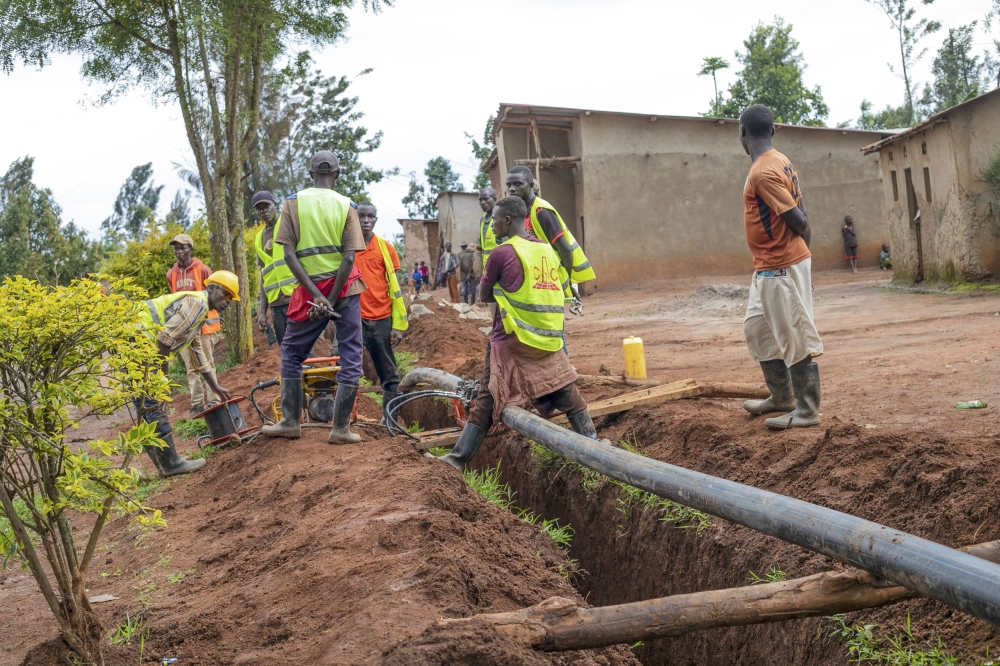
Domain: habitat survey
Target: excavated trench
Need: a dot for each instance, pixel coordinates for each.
(625, 553)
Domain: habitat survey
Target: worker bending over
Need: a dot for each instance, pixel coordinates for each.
(179, 317)
(779, 329)
(320, 232)
(276, 280)
(525, 364)
(383, 312)
(544, 223)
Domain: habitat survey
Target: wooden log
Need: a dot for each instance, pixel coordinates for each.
(616, 380)
(561, 624)
(651, 396)
(437, 438)
(733, 390)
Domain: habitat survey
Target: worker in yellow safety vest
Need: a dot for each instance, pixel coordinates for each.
(487, 241)
(174, 322)
(383, 311)
(321, 233)
(276, 279)
(524, 362)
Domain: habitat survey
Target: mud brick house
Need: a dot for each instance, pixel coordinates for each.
(458, 218)
(662, 196)
(421, 240)
(941, 209)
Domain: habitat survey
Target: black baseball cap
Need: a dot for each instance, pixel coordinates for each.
(263, 195)
(323, 162)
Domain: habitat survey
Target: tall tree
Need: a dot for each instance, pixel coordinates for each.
(481, 152)
(957, 73)
(772, 75)
(180, 213)
(991, 60)
(210, 57)
(302, 112)
(709, 66)
(902, 17)
(135, 206)
(419, 200)
(36, 243)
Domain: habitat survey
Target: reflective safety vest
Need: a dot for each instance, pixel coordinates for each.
(213, 324)
(487, 239)
(581, 271)
(156, 308)
(275, 275)
(400, 321)
(535, 311)
(322, 218)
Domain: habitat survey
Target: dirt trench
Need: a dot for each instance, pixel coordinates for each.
(933, 487)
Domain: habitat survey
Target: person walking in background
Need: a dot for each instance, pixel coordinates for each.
(424, 275)
(778, 328)
(189, 274)
(449, 266)
(850, 243)
(276, 280)
(383, 312)
(467, 274)
(415, 281)
(884, 258)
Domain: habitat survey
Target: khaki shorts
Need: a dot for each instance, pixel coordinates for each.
(779, 321)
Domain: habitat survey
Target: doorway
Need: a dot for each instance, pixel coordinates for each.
(914, 211)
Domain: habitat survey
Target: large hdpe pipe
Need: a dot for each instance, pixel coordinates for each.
(432, 376)
(960, 580)
(952, 577)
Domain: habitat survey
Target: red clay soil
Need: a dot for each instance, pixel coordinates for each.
(940, 488)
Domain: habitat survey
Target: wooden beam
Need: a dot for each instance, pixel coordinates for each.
(562, 624)
(437, 438)
(550, 163)
(543, 126)
(651, 396)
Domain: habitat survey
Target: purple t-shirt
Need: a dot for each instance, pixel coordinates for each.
(503, 268)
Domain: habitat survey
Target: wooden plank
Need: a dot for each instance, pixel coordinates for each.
(651, 396)
(429, 440)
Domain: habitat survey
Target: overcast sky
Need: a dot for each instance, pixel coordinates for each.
(441, 67)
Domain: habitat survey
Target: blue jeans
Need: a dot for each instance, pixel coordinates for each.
(300, 336)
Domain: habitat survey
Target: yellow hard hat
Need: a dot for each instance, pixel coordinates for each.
(227, 281)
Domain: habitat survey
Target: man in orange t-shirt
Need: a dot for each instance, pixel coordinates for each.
(377, 333)
(779, 328)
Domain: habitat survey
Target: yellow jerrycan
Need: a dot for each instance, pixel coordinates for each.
(635, 358)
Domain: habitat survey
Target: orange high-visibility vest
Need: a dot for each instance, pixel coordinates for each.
(212, 322)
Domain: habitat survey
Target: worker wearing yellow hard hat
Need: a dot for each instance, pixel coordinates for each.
(174, 322)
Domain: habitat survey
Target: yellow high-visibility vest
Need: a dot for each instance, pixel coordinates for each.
(156, 308)
(322, 218)
(276, 277)
(535, 311)
(487, 239)
(400, 321)
(581, 270)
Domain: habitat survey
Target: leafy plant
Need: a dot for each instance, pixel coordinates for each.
(190, 428)
(772, 575)
(406, 361)
(67, 353)
(902, 648)
(438, 451)
(204, 452)
(415, 428)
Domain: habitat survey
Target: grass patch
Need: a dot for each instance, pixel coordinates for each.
(204, 452)
(231, 360)
(772, 575)
(487, 484)
(127, 630)
(414, 428)
(438, 451)
(8, 543)
(901, 648)
(406, 361)
(191, 428)
(629, 497)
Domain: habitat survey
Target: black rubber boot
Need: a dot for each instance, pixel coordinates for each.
(465, 447)
(290, 425)
(387, 396)
(805, 383)
(779, 383)
(582, 424)
(168, 463)
(342, 408)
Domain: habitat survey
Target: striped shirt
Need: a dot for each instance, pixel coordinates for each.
(182, 324)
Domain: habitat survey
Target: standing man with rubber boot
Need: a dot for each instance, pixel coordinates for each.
(383, 312)
(779, 328)
(525, 363)
(320, 232)
(276, 280)
(544, 223)
(179, 317)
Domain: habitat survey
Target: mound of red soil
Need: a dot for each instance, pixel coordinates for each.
(444, 340)
(935, 487)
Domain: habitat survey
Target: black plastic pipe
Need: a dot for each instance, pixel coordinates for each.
(957, 579)
(438, 378)
(952, 577)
